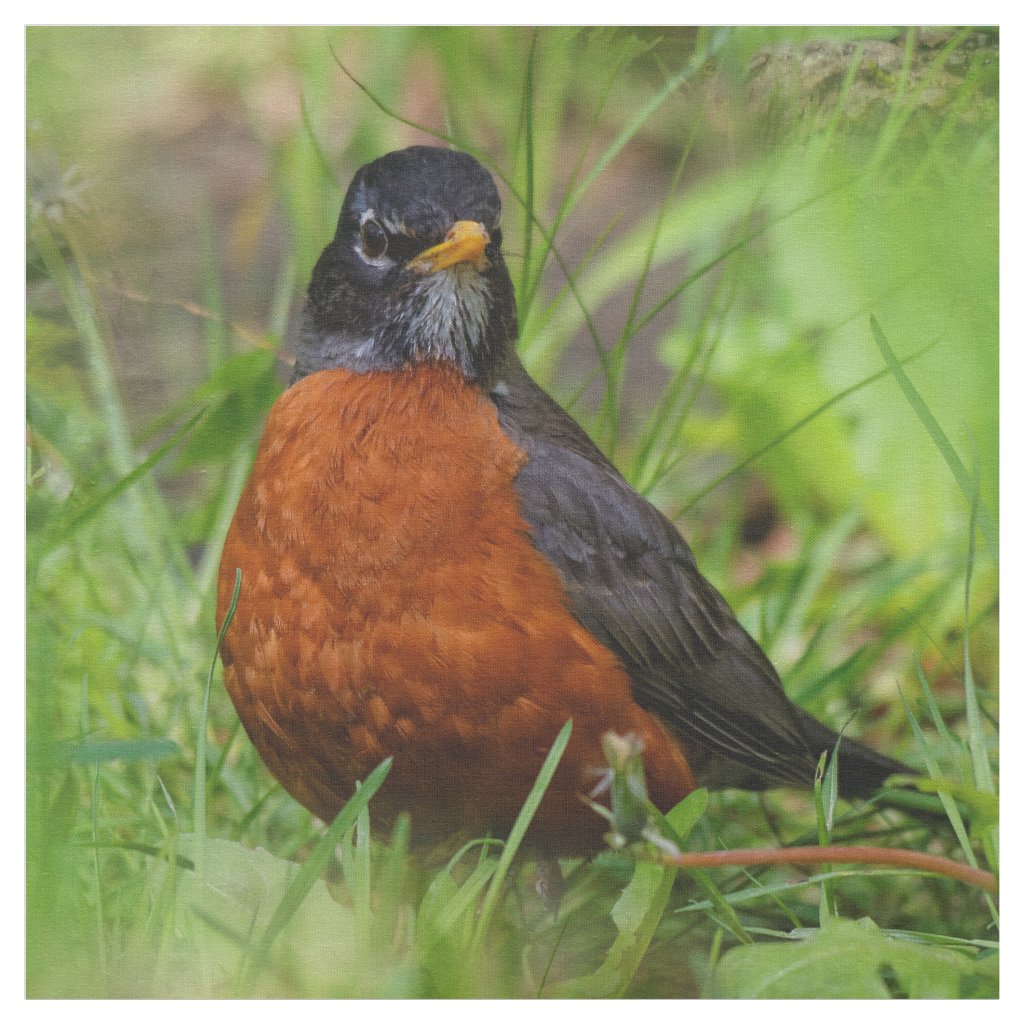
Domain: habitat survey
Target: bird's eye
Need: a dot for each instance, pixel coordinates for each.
(496, 238)
(373, 240)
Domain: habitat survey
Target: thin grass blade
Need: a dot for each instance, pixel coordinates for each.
(315, 863)
(515, 837)
(985, 521)
(797, 426)
(199, 792)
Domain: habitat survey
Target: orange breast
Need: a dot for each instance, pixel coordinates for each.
(392, 603)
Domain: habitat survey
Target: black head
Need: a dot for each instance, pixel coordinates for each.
(414, 271)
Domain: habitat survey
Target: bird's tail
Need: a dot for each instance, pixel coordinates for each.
(862, 770)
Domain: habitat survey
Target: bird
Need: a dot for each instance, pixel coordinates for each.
(438, 565)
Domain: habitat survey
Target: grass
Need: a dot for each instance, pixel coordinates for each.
(774, 303)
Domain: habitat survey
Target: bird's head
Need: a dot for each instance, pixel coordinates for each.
(414, 271)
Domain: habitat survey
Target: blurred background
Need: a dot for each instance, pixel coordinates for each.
(729, 208)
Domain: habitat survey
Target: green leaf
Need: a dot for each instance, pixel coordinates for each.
(683, 818)
(238, 373)
(309, 873)
(104, 751)
(242, 890)
(638, 912)
(239, 393)
(851, 960)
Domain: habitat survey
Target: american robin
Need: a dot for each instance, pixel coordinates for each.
(438, 564)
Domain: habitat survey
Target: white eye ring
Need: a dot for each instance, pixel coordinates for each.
(373, 242)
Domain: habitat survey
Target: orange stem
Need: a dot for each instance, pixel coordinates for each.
(836, 855)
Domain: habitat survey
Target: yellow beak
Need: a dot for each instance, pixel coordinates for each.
(464, 243)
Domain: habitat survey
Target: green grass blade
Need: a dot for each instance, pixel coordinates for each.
(199, 783)
(526, 300)
(975, 731)
(645, 113)
(769, 890)
(938, 435)
(935, 772)
(80, 518)
(199, 792)
(536, 328)
(528, 198)
(321, 162)
(948, 803)
(84, 317)
(677, 825)
(392, 876)
(610, 407)
(665, 422)
(362, 889)
(907, 102)
(826, 792)
(515, 838)
(457, 915)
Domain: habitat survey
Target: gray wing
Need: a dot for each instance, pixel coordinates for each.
(631, 580)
